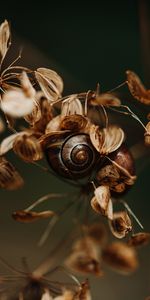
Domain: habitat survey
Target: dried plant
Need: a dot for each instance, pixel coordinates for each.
(89, 155)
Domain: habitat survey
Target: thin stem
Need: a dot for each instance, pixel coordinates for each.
(13, 62)
(117, 87)
(44, 198)
(131, 213)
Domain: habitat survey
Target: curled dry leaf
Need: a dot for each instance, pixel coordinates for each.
(50, 82)
(147, 134)
(31, 216)
(121, 224)
(54, 124)
(84, 257)
(16, 104)
(71, 106)
(98, 233)
(139, 239)
(137, 89)
(27, 147)
(121, 257)
(74, 123)
(4, 39)
(105, 99)
(10, 179)
(101, 202)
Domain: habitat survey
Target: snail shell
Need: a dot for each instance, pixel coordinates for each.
(71, 155)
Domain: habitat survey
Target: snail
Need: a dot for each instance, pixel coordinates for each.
(71, 155)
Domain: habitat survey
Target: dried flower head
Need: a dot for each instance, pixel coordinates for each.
(121, 224)
(139, 239)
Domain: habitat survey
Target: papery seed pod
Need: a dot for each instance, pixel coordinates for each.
(106, 99)
(102, 203)
(66, 295)
(84, 257)
(147, 134)
(120, 257)
(46, 115)
(35, 115)
(28, 148)
(120, 225)
(139, 239)
(10, 179)
(69, 155)
(71, 106)
(74, 123)
(31, 216)
(54, 124)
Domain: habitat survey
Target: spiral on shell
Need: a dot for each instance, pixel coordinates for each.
(71, 155)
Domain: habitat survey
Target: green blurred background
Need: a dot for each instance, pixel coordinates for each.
(86, 42)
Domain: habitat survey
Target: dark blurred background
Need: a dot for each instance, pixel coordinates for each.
(86, 42)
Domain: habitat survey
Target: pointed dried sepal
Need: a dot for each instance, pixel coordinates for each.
(137, 89)
(74, 123)
(139, 239)
(121, 257)
(147, 134)
(71, 106)
(84, 257)
(16, 104)
(121, 224)
(102, 203)
(10, 179)
(50, 82)
(31, 216)
(4, 39)
(105, 99)
(28, 148)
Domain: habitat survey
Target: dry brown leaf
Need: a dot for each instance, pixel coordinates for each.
(74, 123)
(102, 203)
(121, 224)
(105, 99)
(31, 216)
(71, 106)
(54, 124)
(50, 82)
(27, 147)
(147, 134)
(4, 39)
(16, 104)
(137, 89)
(139, 239)
(10, 179)
(121, 257)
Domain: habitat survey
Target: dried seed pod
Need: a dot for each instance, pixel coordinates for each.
(137, 89)
(66, 295)
(50, 82)
(84, 257)
(71, 106)
(106, 140)
(84, 292)
(35, 115)
(105, 99)
(10, 179)
(120, 225)
(74, 123)
(7, 143)
(121, 257)
(46, 115)
(16, 104)
(31, 216)
(4, 39)
(28, 148)
(98, 233)
(139, 239)
(147, 134)
(102, 203)
(54, 124)
(2, 125)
